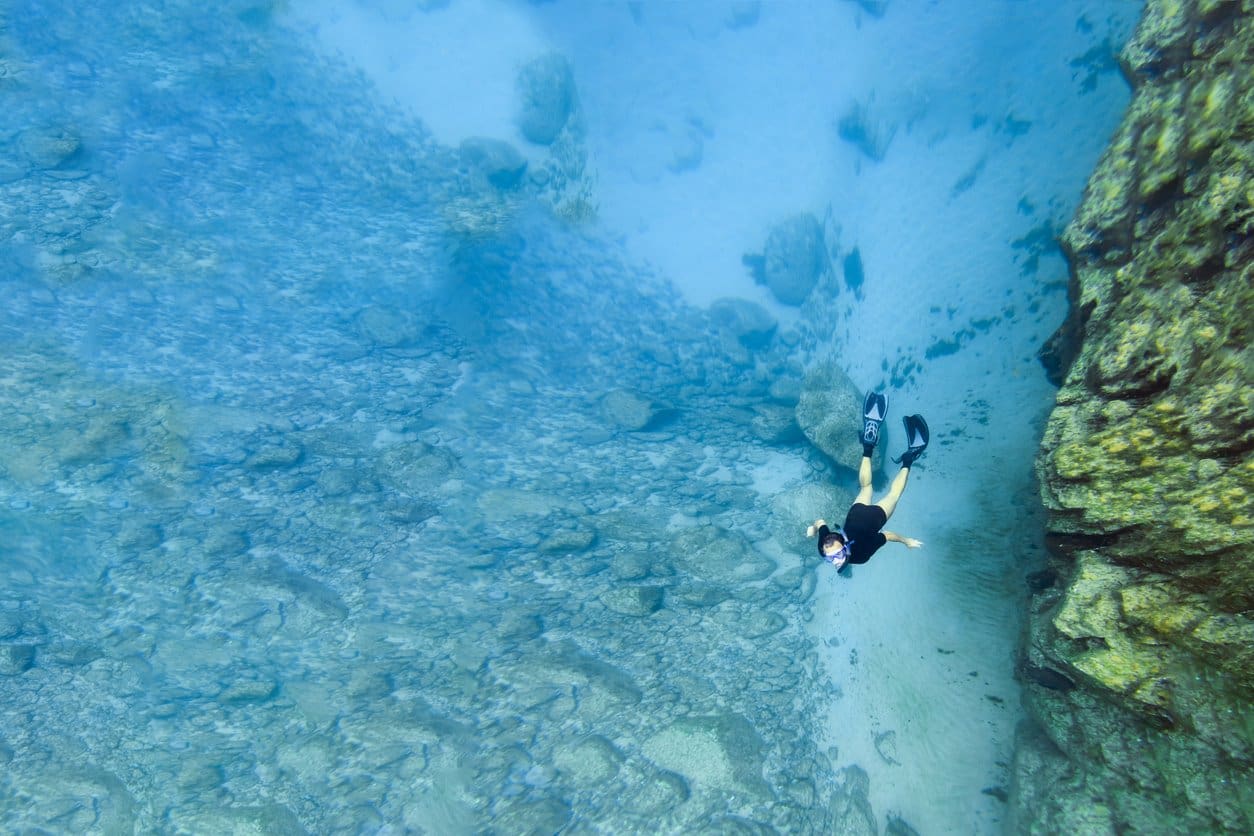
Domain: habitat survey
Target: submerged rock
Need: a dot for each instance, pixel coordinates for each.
(850, 806)
(48, 148)
(627, 410)
(16, 658)
(495, 160)
(870, 135)
(721, 556)
(743, 321)
(715, 752)
(592, 760)
(635, 601)
(1147, 462)
(794, 259)
(775, 425)
(388, 327)
(271, 819)
(546, 89)
(83, 798)
(830, 414)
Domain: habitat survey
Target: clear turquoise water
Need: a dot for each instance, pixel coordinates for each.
(318, 511)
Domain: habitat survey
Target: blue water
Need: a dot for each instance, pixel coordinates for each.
(341, 491)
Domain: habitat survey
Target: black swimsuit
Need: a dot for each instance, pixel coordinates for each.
(862, 527)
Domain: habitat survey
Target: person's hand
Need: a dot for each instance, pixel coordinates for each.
(911, 543)
(814, 529)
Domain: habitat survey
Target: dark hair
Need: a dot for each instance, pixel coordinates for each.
(831, 537)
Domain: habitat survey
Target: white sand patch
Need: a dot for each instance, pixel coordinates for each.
(454, 67)
(757, 103)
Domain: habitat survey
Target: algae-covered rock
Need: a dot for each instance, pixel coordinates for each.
(1147, 462)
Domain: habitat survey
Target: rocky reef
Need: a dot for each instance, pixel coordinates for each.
(1138, 662)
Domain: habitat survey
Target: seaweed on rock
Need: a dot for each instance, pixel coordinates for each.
(1147, 463)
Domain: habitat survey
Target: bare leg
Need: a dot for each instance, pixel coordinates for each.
(889, 503)
(864, 481)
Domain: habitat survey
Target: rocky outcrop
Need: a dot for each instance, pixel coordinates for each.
(1139, 661)
(794, 260)
(546, 89)
(829, 412)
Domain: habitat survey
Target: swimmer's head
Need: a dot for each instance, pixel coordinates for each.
(835, 549)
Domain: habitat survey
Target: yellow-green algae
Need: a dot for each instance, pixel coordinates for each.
(1147, 462)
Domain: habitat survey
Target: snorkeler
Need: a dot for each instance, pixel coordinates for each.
(861, 537)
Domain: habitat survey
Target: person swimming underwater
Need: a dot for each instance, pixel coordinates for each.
(861, 535)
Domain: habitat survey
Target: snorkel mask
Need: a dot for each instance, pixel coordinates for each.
(839, 557)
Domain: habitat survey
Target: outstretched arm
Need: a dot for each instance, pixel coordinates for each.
(908, 542)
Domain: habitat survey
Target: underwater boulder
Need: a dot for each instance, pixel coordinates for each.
(794, 259)
(48, 148)
(547, 98)
(382, 326)
(718, 752)
(775, 425)
(634, 601)
(743, 321)
(626, 410)
(850, 804)
(829, 412)
(496, 161)
(16, 658)
(590, 761)
(794, 509)
(719, 555)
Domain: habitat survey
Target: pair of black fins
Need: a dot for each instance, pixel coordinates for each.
(875, 409)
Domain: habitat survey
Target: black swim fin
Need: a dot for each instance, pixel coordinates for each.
(917, 437)
(874, 409)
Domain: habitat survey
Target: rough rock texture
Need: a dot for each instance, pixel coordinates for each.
(829, 412)
(1139, 662)
(627, 410)
(546, 88)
